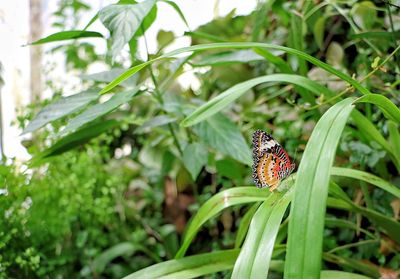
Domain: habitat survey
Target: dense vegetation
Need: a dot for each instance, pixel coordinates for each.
(120, 167)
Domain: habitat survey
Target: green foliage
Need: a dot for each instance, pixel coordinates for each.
(116, 181)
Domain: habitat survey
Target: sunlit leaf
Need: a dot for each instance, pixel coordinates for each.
(311, 191)
(61, 108)
(123, 21)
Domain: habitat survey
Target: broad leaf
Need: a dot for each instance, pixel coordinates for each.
(99, 110)
(75, 139)
(194, 158)
(60, 108)
(223, 135)
(123, 21)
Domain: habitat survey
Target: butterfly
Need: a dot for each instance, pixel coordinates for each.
(271, 163)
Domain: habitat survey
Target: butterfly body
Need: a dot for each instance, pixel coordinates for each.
(271, 163)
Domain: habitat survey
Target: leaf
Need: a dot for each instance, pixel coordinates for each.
(123, 21)
(369, 130)
(60, 108)
(107, 76)
(223, 135)
(159, 120)
(75, 139)
(361, 266)
(371, 133)
(178, 10)
(256, 252)
(334, 54)
(195, 158)
(394, 138)
(367, 177)
(335, 274)
(319, 31)
(390, 110)
(389, 225)
(244, 224)
(238, 45)
(228, 96)
(188, 267)
(217, 59)
(304, 248)
(376, 34)
(99, 110)
(216, 204)
(67, 35)
(100, 262)
(364, 14)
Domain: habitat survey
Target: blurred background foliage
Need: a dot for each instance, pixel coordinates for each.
(116, 194)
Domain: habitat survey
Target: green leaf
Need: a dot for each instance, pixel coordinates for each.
(123, 21)
(394, 138)
(376, 34)
(75, 139)
(227, 97)
(367, 177)
(67, 35)
(188, 267)
(390, 110)
(194, 158)
(256, 252)
(178, 10)
(297, 26)
(239, 45)
(304, 248)
(216, 204)
(159, 120)
(100, 262)
(364, 14)
(363, 267)
(319, 31)
(107, 76)
(224, 58)
(222, 134)
(244, 224)
(372, 134)
(61, 108)
(99, 110)
(339, 223)
(274, 59)
(389, 225)
(369, 130)
(335, 274)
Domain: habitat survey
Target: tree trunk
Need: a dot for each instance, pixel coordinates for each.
(35, 51)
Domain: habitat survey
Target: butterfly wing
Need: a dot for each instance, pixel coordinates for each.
(271, 163)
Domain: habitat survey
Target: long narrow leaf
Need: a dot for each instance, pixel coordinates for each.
(304, 250)
(238, 45)
(224, 99)
(256, 253)
(388, 108)
(216, 204)
(367, 177)
(188, 267)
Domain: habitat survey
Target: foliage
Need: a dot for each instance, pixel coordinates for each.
(115, 177)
